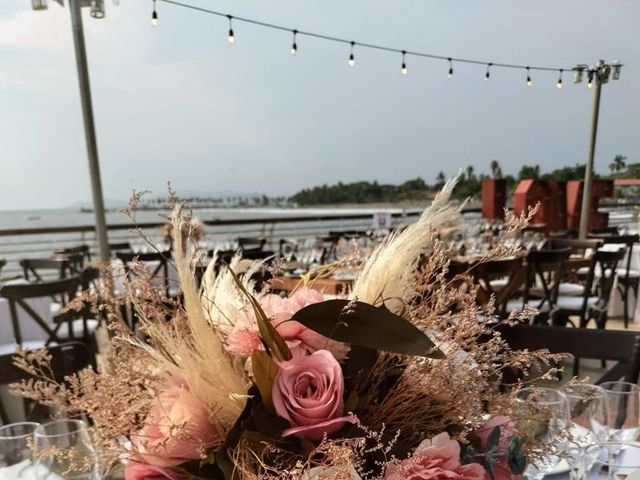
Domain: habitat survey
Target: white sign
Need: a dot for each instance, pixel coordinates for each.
(382, 220)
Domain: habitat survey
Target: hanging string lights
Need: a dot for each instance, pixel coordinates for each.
(615, 71)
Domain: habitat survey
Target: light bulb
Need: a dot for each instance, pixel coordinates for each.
(559, 82)
(529, 82)
(294, 45)
(589, 84)
(154, 15)
(404, 70)
(352, 59)
(231, 37)
(486, 75)
(450, 74)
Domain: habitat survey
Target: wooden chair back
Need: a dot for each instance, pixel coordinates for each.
(607, 261)
(622, 347)
(605, 231)
(545, 269)
(246, 243)
(79, 256)
(628, 241)
(120, 247)
(66, 359)
(161, 270)
(484, 273)
(564, 234)
(18, 294)
(34, 268)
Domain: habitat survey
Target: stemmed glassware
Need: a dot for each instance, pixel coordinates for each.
(623, 406)
(545, 418)
(64, 449)
(16, 440)
(601, 459)
(588, 417)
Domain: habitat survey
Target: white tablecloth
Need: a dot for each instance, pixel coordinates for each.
(29, 329)
(616, 305)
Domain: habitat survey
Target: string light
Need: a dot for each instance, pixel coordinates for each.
(294, 45)
(352, 59)
(486, 75)
(559, 83)
(404, 70)
(590, 79)
(232, 37)
(614, 70)
(154, 15)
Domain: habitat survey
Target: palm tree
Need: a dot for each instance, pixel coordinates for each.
(618, 164)
(470, 171)
(496, 171)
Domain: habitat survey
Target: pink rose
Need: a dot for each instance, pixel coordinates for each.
(176, 430)
(308, 393)
(140, 471)
(244, 339)
(507, 430)
(434, 460)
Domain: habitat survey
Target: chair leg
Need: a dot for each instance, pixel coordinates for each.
(625, 300)
(3, 414)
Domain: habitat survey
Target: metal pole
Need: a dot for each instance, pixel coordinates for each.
(89, 129)
(588, 173)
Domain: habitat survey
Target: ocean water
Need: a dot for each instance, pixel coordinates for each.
(10, 219)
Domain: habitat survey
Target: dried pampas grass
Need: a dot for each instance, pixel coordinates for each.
(392, 266)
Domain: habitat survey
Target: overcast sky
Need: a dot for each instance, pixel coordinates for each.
(179, 103)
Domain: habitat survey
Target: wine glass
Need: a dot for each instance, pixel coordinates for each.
(588, 417)
(544, 414)
(601, 458)
(64, 448)
(16, 440)
(623, 405)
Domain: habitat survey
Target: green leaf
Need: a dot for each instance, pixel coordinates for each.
(273, 342)
(364, 325)
(516, 460)
(493, 440)
(264, 373)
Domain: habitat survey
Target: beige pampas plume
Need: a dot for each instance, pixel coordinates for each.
(199, 357)
(392, 266)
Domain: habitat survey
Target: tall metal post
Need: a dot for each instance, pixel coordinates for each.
(588, 174)
(89, 129)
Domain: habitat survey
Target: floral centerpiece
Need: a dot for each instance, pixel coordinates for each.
(400, 379)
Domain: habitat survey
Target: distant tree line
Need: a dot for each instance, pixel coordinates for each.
(469, 185)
